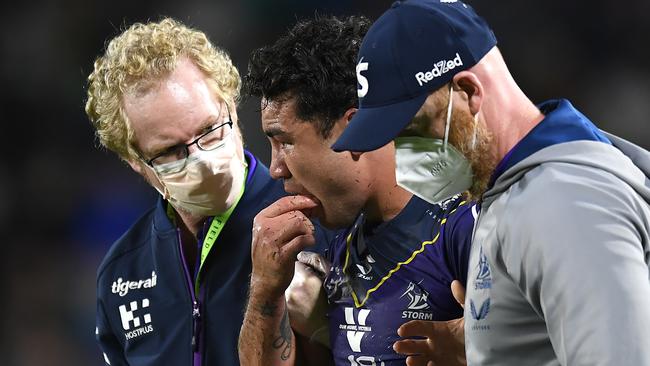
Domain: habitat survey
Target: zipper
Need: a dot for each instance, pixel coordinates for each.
(196, 317)
(196, 306)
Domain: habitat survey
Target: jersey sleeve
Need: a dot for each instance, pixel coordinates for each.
(578, 258)
(111, 348)
(458, 239)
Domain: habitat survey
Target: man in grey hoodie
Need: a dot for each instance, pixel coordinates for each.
(559, 270)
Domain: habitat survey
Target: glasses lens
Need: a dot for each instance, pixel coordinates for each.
(170, 162)
(214, 138)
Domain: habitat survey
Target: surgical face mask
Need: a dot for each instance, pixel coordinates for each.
(210, 182)
(432, 169)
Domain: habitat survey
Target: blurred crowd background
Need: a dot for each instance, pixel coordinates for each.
(63, 201)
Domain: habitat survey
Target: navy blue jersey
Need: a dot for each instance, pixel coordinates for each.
(401, 270)
(147, 310)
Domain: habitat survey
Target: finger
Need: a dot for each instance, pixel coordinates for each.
(303, 271)
(416, 361)
(291, 249)
(411, 346)
(458, 291)
(417, 328)
(288, 204)
(315, 261)
(289, 226)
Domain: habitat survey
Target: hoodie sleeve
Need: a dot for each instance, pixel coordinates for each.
(576, 238)
(111, 348)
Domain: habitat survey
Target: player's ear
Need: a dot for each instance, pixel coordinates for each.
(342, 124)
(347, 116)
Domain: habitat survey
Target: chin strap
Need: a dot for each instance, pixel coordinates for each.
(448, 123)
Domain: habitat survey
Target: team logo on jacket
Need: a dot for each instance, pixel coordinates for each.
(483, 279)
(418, 306)
(482, 311)
(122, 287)
(479, 304)
(136, 321)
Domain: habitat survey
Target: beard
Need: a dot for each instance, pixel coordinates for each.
(480, 154)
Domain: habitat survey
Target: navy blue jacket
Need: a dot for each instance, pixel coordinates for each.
(147, 312)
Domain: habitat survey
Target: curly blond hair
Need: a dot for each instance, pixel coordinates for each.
(142, 54)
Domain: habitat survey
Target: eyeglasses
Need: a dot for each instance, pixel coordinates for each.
(174, 159)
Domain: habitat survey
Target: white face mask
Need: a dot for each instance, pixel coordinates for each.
(431, 168)
(211, 181)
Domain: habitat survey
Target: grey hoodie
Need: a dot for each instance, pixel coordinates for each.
(559, 270)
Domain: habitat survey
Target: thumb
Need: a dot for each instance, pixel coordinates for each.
(458, 291)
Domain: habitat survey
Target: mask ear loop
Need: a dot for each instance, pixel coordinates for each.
(475, 131)
(165, 192)
(448, 123)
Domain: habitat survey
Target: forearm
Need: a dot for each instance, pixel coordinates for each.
(266, 337)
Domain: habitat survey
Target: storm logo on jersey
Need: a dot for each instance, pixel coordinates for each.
(418, 306)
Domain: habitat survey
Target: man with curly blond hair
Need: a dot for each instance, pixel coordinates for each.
(172, 289)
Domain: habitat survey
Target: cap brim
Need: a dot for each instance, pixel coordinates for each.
(372, 128)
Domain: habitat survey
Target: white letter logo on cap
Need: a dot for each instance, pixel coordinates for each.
(362, 66)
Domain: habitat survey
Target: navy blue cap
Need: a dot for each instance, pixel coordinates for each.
(414, 48)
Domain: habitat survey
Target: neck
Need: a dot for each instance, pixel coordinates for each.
(388, 204)
(508, 112)
(514, 123)
(189, 223)
(388, 199)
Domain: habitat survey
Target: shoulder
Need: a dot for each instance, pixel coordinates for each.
(557, 191)
(136, 238)
(460, 214)
(569, 209)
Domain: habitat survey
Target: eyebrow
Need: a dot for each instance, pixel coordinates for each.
(275, 131)
(210, 121)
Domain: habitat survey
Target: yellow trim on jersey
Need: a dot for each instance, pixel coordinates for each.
(397, 267)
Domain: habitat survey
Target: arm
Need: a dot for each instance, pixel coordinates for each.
(108, 343)
(307, 304)
(266, 337)
(279, 232)
(307, 300)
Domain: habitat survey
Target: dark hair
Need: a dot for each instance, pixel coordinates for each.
(313, 63)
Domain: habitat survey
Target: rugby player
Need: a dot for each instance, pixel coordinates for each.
(399, 255)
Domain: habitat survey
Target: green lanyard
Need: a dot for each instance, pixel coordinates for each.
(218, 222)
